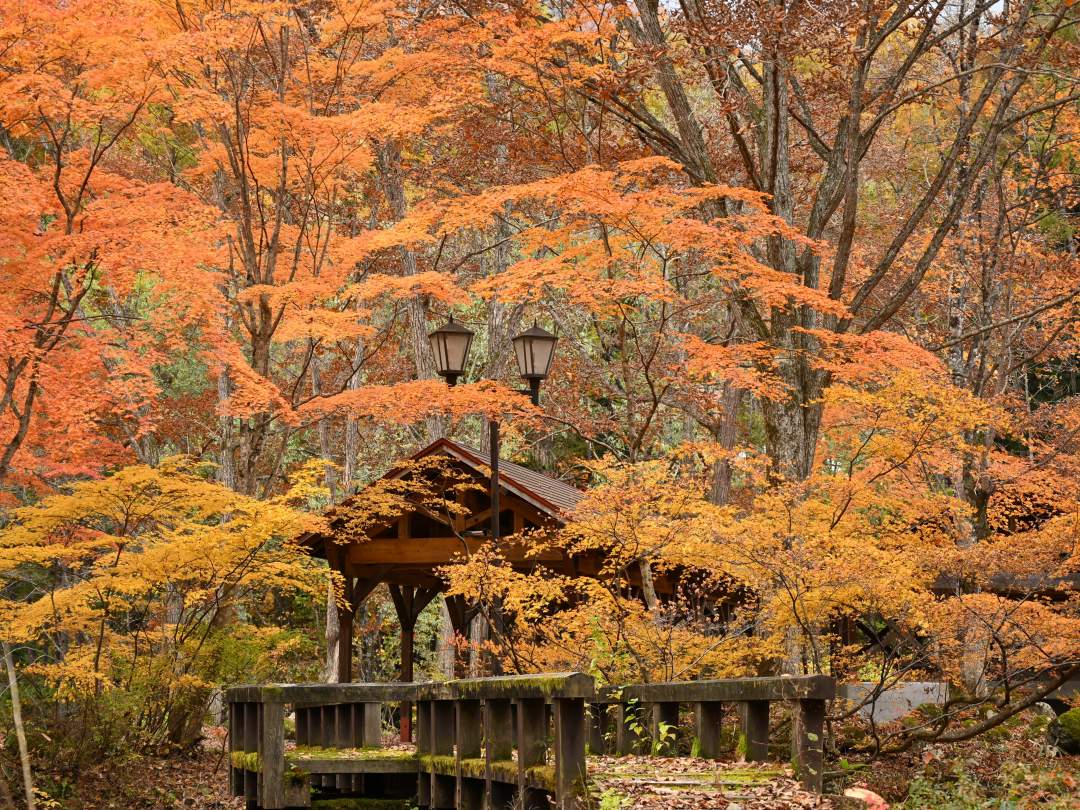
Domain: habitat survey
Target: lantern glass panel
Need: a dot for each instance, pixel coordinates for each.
(534, 350)
(450, 344)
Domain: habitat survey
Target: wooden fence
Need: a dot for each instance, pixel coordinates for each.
(616, 712)
(491, 743)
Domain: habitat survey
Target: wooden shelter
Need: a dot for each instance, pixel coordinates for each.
(407, 551)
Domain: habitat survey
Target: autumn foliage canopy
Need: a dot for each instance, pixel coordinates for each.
(814, 270)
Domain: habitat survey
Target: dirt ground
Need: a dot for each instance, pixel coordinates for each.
(1011, 768)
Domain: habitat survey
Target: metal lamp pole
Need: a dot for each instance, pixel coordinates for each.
(534, 350)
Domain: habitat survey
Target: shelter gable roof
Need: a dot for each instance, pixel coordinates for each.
(552, 496)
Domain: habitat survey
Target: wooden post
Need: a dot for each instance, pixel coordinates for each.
(662, 714)
(569, 752)
(498, 747)
(808, 745)
(371, 724)
(423, 746)
(531, 733)
(755, 729)
(405, 721)
(236, 743)
(707, 717)
(251, 743)
(345, 638)
(272, 756)
(625, 739)
(467, 733)
(409, 602)
(443, 721)
(598, 716)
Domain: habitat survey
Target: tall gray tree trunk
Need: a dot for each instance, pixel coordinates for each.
(389, 162)
(20, 730)
(333, 635)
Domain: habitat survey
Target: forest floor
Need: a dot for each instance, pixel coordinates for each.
(1010, 769)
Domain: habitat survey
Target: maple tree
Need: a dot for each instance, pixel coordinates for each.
(133, 581)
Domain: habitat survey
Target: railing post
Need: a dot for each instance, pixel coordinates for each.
(755, 729)
(423, 746)
(236, 737)
(707, 718)
(661, 714)
(625, 739)
(251, 745)
(498, 747)
(272, 756)
(807, 739)
(569, 752)
(467, 733)
(442, 744)
(532, 731)
(370, 724)
(598, 716)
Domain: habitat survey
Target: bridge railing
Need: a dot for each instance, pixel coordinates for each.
(649, 707)
(327, 717)
(492, 742)
(470, 730)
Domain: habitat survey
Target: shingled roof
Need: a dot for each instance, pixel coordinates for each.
(557, 498)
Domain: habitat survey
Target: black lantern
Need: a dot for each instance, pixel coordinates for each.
(534, 349)
(450, 343)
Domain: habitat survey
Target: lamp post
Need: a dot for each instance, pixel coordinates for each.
(534, 350)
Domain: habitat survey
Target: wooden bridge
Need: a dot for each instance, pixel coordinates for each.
(492, 743)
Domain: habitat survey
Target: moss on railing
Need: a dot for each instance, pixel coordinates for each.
(246, 760)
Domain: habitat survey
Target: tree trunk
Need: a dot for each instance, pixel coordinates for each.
(445, 651)
(726, 435)
(791, 433)
(20, 731)
(333, 637)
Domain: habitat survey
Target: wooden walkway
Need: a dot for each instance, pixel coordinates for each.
(493, 743)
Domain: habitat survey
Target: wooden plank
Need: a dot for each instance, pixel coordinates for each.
(755, 729)
(512, 687)
(569, 751)
(313, 763)
(432, 551)
(563, 684)
(272, 757)
(320, 694)
(807, 738)
(707, 718)
(813, 687)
